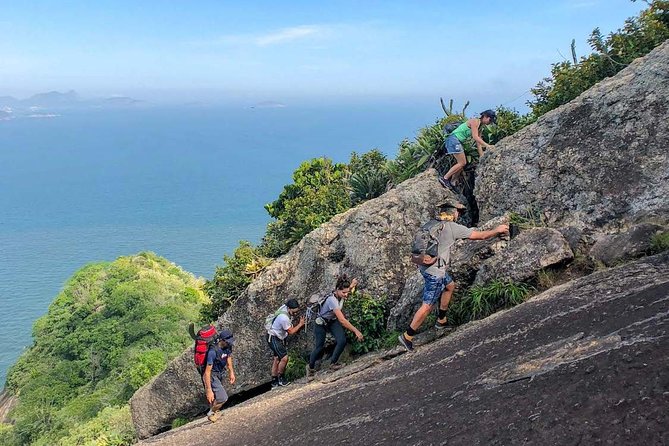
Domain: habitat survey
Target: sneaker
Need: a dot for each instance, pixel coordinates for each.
(310, 373)
(406, 343)
(441, 325)
(214, 417)
(283, 381)
(444, 182)
(336, 366)
(275, 382)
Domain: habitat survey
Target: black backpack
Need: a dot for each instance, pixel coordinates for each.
(450, 127)
(425, 246)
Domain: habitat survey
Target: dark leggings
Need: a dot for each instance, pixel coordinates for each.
(337, 331)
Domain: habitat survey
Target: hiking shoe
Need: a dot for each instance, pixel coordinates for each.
(275, 383)
(444, 182)
(310, 373)
(442, 325)
(214, 417)
(406, 343)
(283, 381)
(336, 366)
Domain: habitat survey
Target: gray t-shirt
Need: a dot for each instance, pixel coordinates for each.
(447, 237)
(328, 307)
(281, 324)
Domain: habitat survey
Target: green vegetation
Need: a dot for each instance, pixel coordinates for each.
(296, 367)
(610, 54)
(482, 300)
(114, 326)
(659, 242)
(368, 315)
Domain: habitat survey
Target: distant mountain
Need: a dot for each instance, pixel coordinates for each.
(52, 98)
(8, 101)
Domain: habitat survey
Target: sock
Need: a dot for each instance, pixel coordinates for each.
(410, 333)
(442, 314)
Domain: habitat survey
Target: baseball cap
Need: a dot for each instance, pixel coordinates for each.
(226, 335)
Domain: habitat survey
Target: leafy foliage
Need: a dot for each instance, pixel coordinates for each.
(610, 54)
(368, 315)
(230, 280)
(369, 178)
(318, 192)
(113, 327)
(659, 242)
(482, 300)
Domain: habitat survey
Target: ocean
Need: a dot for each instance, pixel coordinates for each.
(184, 182)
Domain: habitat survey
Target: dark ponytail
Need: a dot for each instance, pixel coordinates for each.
(342, 282)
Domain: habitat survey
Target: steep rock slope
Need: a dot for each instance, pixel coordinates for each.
(582, 363)
(599, 161)
(369, 242)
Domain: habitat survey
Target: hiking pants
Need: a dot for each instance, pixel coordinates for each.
(337, 331)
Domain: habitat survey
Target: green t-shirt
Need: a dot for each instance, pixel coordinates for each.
(462, 132)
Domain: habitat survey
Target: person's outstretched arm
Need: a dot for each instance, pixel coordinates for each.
(346, 324)
(484, 235)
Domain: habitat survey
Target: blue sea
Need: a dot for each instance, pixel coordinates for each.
(185, 182)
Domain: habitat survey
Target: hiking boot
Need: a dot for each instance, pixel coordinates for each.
(310, 373)
(275, 382)
(406, 343)
(282, 381)
(214, 416)
(442, 326)
(336, 366)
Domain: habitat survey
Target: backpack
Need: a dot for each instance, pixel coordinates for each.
(451, 126)
(425, 245)
(314, 304)
(205, 338)
(269, 320)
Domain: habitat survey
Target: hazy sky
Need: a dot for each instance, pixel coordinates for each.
(276, 50)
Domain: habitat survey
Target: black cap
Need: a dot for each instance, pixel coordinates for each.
(226, 335)
(491, 114)
(292, 304)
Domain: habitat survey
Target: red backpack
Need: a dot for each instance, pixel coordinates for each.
(204, 339)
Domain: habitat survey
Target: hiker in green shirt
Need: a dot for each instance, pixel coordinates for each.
(471, 128)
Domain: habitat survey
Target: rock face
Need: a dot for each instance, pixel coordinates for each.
(525, 255)
(599, 161)
(582, 363)
(370, 242)
(630, 244)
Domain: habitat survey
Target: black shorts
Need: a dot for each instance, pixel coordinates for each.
(277, 346)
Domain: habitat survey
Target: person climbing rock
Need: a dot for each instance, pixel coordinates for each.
(331, 319)
(472, 128)
(219, 358)
(280, 326)
(439, 285)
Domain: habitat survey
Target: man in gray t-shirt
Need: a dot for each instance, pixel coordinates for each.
(439, 286)
(280, 328)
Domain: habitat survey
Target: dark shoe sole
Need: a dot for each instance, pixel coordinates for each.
(403, 341)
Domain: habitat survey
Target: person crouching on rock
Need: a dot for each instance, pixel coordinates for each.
(439, 286)
(219, 358)
(331, 319)
(282, 326)
(471, 128)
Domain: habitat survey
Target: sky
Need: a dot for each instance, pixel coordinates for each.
(262, 50)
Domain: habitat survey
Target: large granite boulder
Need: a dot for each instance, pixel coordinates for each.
(532, 251)
(370, 242)
(582, 363)
(601, 160)
(635, 242)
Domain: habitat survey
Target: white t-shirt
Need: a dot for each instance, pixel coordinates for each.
(281, 324)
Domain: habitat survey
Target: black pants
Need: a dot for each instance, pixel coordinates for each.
(337, 331)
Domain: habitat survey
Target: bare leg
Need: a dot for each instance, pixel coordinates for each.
(460, 163)
(445, 298)
(275, 367)
(282, 365)
(420, 316)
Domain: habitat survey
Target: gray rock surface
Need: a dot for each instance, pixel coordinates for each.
(370, 242)
(599, 161)
(582, 363)
(527, 254)
(630, 244)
